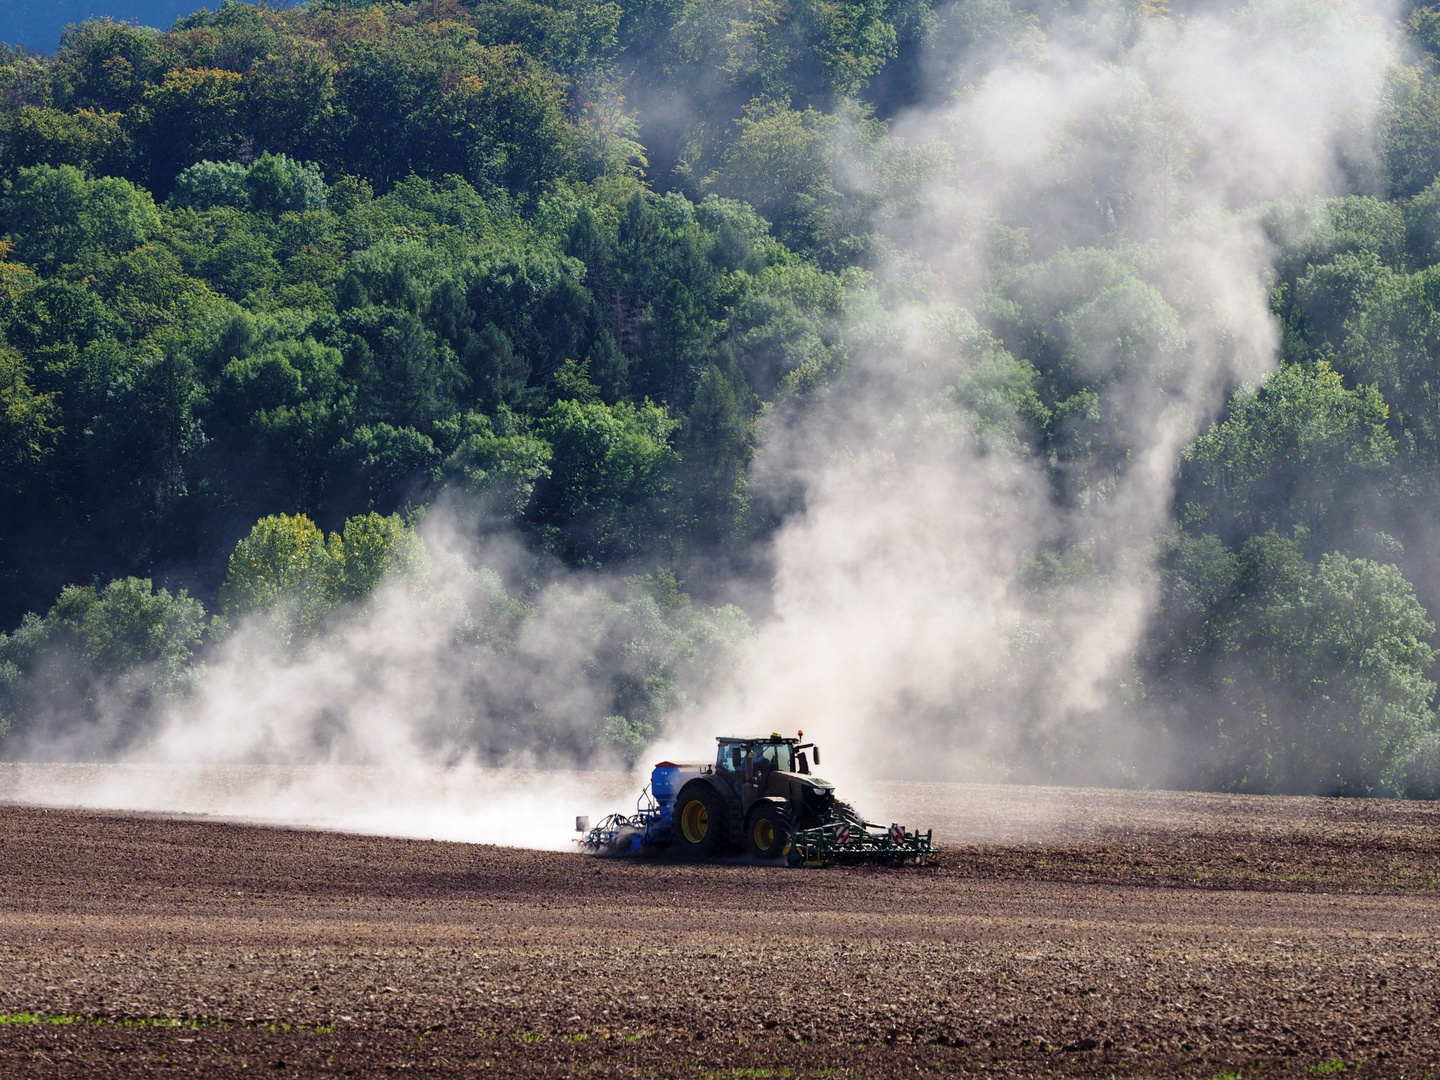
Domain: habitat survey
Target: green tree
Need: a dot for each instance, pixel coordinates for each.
(413, 102)
(288, 572)
(498, 460)
(277, 184)
(27, 418)
(372, 548)
(140, 446)
(239, 257)
(610, 477)
(402, 372)
(273, 416)
(1295, 452)
(1294, 677)
(1101, 338)
(1422, 227)
(1329, 296)
(96, 142)
(385, 466)
(285, 569)
(1410, 130)
(1393, 342)
(89, 677)
(107, 65)
(191, 116)
(56, 215)
(129, 624)
(676, 338)
(780, 162)
(208, 184)
(715, 447)
(569, 36)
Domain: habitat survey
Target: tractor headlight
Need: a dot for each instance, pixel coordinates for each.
(817, 791)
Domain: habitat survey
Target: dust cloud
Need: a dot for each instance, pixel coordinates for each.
(395, 718)
(511, 807)
(1103, 197)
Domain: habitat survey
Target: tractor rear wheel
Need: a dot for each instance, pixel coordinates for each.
(769, 830)
(700, 822)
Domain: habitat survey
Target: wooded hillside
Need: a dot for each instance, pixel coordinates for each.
(285, 278)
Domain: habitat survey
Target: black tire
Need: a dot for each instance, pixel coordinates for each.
(700, 825)
(768, 831)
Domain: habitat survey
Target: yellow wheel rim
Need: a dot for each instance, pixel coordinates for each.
(695, 821)
(764, 834)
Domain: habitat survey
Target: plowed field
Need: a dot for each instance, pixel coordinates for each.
(1061, 933)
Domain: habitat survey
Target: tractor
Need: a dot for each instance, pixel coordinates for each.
(758, 796)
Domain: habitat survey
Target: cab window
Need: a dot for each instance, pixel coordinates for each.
(773, 756)
(727, 758)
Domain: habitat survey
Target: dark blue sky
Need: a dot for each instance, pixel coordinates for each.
(36, 24)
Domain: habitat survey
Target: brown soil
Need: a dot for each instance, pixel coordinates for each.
(1075, 933)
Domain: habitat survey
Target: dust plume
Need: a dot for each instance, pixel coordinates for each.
(459, 701)
(959, 598)
(465, 802)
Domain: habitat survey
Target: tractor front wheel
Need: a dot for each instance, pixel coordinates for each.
(700, 822)
(769, 830)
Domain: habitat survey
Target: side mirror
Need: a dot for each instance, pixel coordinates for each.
(804, 766)
(737, 758)
(817, 754)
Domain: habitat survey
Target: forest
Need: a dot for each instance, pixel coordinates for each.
(278, 285)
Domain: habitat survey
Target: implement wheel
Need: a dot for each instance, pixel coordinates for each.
(700, 822)
(769, 830)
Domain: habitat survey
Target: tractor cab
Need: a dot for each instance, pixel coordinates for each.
(743, 763)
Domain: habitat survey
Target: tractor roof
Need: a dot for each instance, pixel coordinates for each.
(773, 737)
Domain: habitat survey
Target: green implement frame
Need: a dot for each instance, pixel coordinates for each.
(842, 841)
